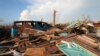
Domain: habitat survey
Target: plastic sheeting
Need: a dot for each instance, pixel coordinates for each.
(75, 50)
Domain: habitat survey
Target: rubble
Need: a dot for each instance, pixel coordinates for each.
(34, 38)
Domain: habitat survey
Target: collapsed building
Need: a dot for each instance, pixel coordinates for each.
(36, 38)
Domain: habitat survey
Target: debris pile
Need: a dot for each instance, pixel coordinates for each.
(35, 38)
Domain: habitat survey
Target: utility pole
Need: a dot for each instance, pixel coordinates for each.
(54, 17)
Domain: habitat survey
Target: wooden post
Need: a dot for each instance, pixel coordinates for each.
(54, 17)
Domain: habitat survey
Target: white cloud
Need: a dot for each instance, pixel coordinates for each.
(44, 8)
(24, 15)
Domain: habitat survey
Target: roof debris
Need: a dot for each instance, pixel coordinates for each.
(35, 38)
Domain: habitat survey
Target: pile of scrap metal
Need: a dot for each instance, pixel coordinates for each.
(35, 38)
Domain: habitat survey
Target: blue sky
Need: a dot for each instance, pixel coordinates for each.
(67, 10)
(10, 9)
